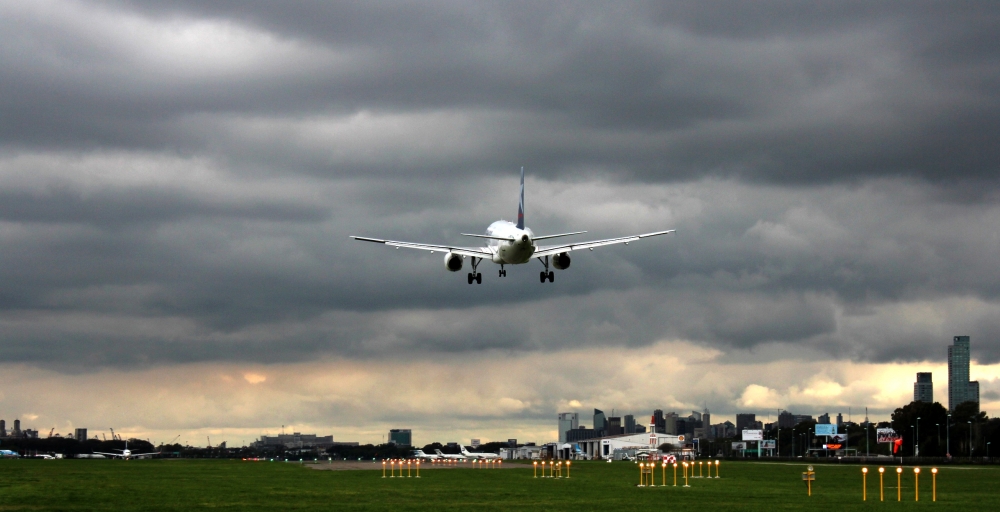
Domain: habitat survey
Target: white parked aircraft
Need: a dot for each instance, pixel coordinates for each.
(419, 454)
(449, 455)
(512, 244)
(479, 455)
(126, 453)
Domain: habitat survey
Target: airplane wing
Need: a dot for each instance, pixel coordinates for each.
(109, 454)
(145, 454)
(475, 252)
(548, 250)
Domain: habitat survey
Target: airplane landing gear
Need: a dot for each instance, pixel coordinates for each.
(475, 276)
(546, 274)
(503, 272)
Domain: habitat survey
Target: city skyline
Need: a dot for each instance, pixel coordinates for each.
(179, 181)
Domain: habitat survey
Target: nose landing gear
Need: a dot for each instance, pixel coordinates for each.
(503, 272)
(475, 276)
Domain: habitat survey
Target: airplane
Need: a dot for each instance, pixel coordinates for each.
(449, 455)
(479, 455)
(126, 454)
(512, 244)
(419, 454)
(9, 453)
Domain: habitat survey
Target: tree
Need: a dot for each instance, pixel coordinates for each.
(905, 423)
(667, 447)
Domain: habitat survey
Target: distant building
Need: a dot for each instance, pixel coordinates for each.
(840, 419)
(824, 419)
(17, 428)
(657, 423)
(670, 424)
(600, 421)
(959, 360)
(923, 388)
(3, 428)
(400, 437)
(786, 420)
(745, 421)
(567, 421)
(724, 430)
(296, 440)
(629, 424)
(803, 418)
(706, 422)
(580, 434)
(80, 434)
(615, 427)
(973, 395)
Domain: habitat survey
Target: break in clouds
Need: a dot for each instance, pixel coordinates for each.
(178, 180)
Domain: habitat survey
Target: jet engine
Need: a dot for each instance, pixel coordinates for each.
(453, 262)
(561, 261)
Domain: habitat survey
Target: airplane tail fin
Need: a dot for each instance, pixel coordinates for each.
(520, 206)
(438, 451)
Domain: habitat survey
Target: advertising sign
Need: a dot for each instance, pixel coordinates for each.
(739, 446)
(826, 429)
(512, 443)
(769, 445)
(753, 435)
(885, 435)
(475, 443)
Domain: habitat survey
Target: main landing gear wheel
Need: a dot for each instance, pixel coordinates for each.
(503, 272)
(541, 276)
(552, 277)
(477, 277)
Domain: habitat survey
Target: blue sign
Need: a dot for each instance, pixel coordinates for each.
(826, 429)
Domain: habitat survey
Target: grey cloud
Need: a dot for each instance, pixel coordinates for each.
(809, 93)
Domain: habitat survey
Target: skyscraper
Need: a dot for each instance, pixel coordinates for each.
(629, 424)
(600, 422)
(923, 388)
(401, 437)
(567, 421)
(958, 372)
(744, 421)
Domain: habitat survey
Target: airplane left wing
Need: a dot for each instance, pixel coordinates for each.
(475, 252)
(548, 250)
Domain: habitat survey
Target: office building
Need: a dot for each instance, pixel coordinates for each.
(670, 424)
(959, 388)
(923, 388)
(706, 422)
(3, 428)
(80, 434)
(630, 424)
(657, 423)
(615, 427)
(840, 419)
(745, 421)
(600, 421)
(786, 420)
(824, 419)
(400, 437)
(567, 421)
(295, 440)
(17, 428)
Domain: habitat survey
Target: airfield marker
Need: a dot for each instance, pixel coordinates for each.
(664, 474)
(881, 489)
(383, 469)
(699, 469)
(535, 465)
(642, 476)
(864, 484)
(675, 474)
(418, 469)
(916, 484)
(933, 484)
(899, 484)
(568, 464)
(686, 475)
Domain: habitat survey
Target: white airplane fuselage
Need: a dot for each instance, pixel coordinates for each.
(515, 251)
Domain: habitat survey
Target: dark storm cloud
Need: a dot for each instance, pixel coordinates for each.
(767, 91)
(251, 138)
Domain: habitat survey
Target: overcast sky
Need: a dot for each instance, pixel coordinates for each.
(179, 179)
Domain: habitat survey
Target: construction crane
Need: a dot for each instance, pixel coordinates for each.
(174, 439)
(209, 442)
(114, 437)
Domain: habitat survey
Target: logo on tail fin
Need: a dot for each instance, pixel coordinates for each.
(520, 206)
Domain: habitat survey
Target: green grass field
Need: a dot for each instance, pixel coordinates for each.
(235, 485)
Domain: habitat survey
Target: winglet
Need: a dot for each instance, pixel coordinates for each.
(520, 206)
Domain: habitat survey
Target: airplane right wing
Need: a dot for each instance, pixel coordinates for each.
(475, 252)
(548, 250)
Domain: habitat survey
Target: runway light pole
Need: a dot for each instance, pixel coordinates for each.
(864, 484)
(970, 439)
(918, 437)
(881, 488)
(947, 429)
(916, 484)
(933, 484)
(899, 484)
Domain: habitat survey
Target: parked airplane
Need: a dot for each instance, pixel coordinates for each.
(419, 454)
(479, 455)
(8, 453)
(449, 455)
(512, 244)
(126, 453)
